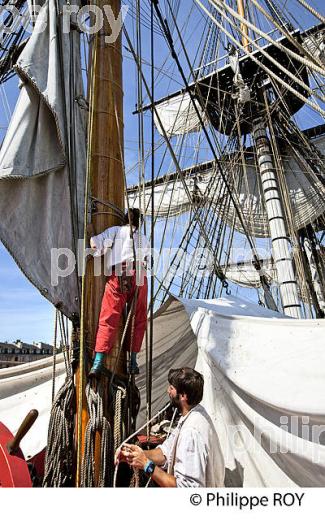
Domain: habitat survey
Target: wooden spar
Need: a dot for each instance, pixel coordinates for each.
(243, 27)
(105, 157)
(106, 183)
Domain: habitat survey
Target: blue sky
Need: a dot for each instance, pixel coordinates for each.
(24, 314)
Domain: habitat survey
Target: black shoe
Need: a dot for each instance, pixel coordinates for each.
(95, 372)
(134, 370)
(133, 366)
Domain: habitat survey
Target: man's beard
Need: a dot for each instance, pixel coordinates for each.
(175, 402)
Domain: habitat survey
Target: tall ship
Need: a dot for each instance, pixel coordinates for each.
(208, 116)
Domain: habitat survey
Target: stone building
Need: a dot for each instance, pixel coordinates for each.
(18, 352)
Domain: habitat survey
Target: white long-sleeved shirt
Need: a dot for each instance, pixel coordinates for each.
(117, 244)
(193, 451)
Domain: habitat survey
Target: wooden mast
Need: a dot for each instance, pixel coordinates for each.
(106, 183)
(105, 156)
(243, 26)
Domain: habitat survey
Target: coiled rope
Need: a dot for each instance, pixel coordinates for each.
(118, 425)
(97, 423)
(59, 453)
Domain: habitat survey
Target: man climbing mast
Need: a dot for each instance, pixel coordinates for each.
(126, 250)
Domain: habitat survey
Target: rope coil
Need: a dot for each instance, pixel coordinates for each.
(97, 423)
(59, 454)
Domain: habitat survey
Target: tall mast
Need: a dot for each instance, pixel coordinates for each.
(243, 27)
(106, 183)
(105, 149)
(281, 245)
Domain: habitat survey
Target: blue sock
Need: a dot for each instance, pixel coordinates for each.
(99, 358)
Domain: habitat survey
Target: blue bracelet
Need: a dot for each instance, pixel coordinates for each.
(147, 465)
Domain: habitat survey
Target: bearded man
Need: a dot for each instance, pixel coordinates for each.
(191, 456)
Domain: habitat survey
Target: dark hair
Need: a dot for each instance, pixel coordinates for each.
(187, 381)
(135, 217)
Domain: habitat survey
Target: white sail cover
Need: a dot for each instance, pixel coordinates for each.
(178, 116)
(264, 387)
(39, 191)
(307, 193)
(265, 392)
(27, 387)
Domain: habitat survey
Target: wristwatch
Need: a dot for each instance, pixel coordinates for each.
(149, 468)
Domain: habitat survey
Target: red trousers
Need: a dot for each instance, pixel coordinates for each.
(113, 303)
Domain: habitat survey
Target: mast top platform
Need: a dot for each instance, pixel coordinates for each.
(217, 93)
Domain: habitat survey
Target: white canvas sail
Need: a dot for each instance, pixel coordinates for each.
(307, 193)
(271, 426)
(39, 191)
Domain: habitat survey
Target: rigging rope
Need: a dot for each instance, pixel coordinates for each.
(244, 21)
(118, 419)
(81, 368)
(149, 357)
(288, 35)
(277, 15)
(54, 353)
(171, 150)
(311, 64)
(312, 10)
(217, 160)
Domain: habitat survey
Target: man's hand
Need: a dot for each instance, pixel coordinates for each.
(131, 454)
(137, 458)
(122, 454)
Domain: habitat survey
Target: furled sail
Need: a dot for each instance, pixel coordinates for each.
(307, 191)
(245, 274)
(41, 175)
(178, 116)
